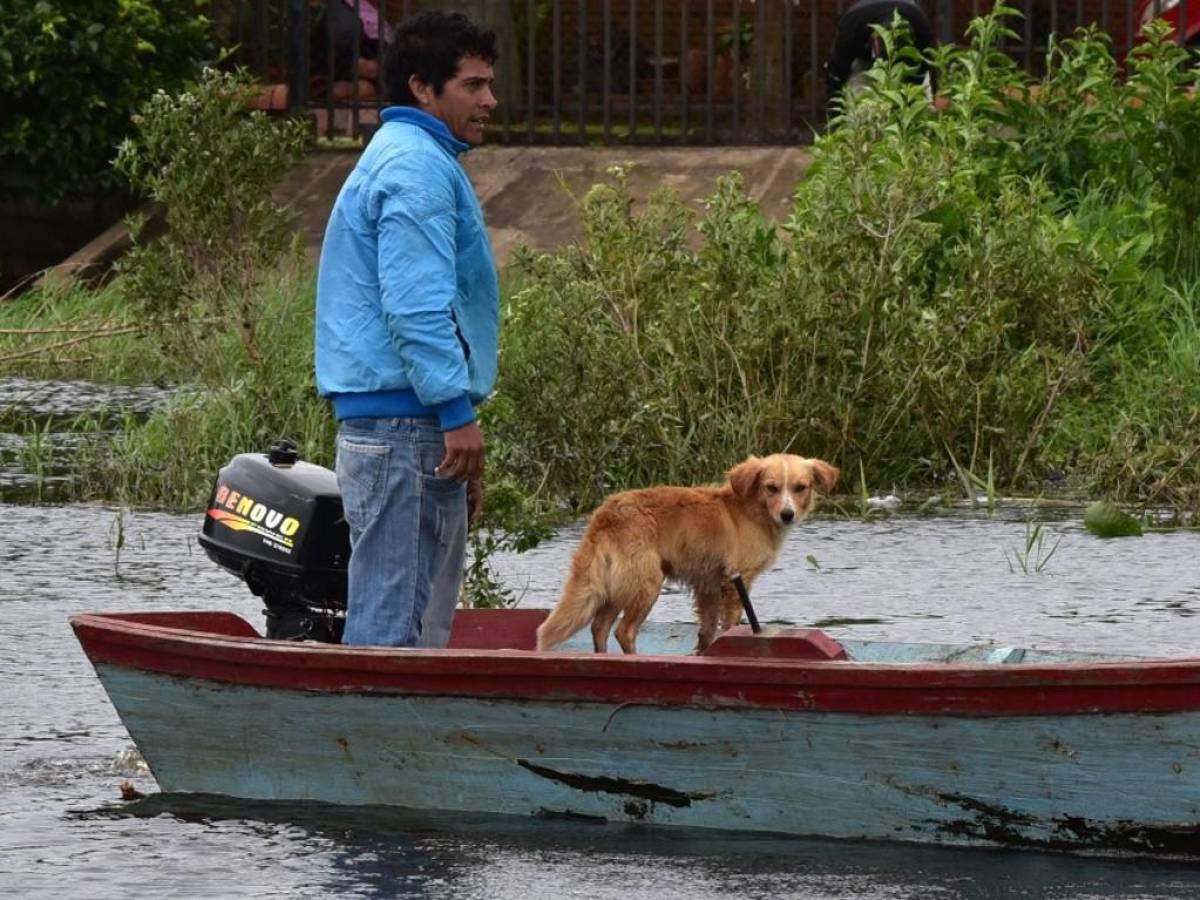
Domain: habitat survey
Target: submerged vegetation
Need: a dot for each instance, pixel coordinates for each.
(998, 292)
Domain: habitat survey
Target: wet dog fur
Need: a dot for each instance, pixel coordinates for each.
(698, 536)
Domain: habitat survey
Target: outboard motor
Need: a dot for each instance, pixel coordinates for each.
(276, 522)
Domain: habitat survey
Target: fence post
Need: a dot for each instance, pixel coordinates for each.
(297, 52)
(946, 21)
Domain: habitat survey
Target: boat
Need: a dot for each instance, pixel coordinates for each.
(772, 729)
(785, 731)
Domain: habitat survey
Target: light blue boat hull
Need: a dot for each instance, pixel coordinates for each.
(1125, 782)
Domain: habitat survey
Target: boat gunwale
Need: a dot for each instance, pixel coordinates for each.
(1150, 684)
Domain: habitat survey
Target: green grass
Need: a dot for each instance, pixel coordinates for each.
(71, 331)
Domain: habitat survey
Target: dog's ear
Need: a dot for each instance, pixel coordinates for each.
(743, 477)
(825, 474)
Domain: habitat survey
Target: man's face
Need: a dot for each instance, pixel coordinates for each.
(466, 101)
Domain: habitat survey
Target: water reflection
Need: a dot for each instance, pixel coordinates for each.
(411, 854)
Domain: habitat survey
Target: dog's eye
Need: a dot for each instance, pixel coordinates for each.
(799, 488)
(772, 489)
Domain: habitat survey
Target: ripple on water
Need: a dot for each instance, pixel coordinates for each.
(39, 398)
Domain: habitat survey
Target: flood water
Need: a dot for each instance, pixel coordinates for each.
(66, 833)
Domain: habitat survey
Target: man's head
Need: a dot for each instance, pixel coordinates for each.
(442, 63)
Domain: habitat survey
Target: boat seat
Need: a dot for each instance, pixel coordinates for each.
(1006, 655)
(496, 629)
(776, 642)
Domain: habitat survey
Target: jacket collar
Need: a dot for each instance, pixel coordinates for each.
(432, 124)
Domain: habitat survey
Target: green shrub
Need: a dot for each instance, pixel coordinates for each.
(212, 164)
(1002, 280)
(72, 73)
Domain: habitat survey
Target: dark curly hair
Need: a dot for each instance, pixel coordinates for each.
(430, 45)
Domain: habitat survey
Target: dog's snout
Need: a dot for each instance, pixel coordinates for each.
(786, 515)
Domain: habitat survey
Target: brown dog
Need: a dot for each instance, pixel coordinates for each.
(697, 536)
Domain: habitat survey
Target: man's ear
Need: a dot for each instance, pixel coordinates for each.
(420, 90)
(743, 477)
(825, 474)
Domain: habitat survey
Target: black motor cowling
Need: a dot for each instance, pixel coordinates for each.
(276, 522)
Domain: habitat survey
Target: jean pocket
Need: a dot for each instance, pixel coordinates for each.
(362, 468)
(430, 455)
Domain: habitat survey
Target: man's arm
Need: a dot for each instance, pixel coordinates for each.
(418, 284)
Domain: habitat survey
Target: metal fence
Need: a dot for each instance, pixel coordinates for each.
(672, 72)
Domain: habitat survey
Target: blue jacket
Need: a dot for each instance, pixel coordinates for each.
(407, 296)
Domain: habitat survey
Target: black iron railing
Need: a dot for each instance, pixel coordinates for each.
(625, 71)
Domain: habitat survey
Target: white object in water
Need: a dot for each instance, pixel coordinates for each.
(891, 501)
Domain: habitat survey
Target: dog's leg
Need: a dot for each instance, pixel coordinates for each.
(708, 610)
(602, 625)
(731, 606)
(637, 604)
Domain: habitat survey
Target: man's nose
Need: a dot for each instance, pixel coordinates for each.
(489, 100)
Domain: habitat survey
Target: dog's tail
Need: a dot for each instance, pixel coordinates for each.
(581, 599)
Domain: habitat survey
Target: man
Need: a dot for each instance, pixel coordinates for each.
(406, 335)
(856, 46)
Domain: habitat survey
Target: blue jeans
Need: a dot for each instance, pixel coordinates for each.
(408, 532)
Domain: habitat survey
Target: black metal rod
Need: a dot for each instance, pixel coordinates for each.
(583, 24)
(658, 71)
(531, 69)
(710, 71)
(608, 52)
(330, 58)
(758, 80)
(787, 72)
(355, 58)
(631, 85)
(744, 595)
(735, 76)
(814, 56)
(1028, 35)
(684, 71)
(298, 62)
(556, 62)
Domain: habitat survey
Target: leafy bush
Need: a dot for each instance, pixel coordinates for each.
(212, 164)
(979, 282)
(72, 73)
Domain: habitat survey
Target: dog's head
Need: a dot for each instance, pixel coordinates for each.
(782, 485)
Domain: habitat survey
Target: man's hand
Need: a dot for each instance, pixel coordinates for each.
(464, 454)
(474, 500)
